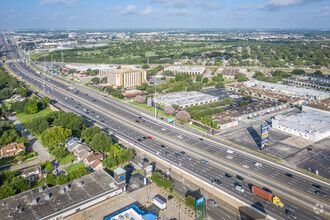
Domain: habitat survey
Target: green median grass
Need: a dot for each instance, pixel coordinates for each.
(74, 167)
(68, 158)
(28, 117)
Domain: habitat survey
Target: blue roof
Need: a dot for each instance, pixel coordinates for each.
(150, 216)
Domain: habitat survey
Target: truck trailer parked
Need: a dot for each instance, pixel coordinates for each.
(159, 202)
(267, 195)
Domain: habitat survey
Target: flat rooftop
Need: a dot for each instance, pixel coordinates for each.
(304, 79)
(185, 68)
(307, 121)
(323, 105)
(185, 98)
(93, 185)
(230, 72)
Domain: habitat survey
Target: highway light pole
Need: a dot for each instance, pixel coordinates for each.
(155, 99)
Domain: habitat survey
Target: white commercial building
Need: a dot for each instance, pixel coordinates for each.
(289, 90)
(185, 69)
(311, 124)
(186, 99)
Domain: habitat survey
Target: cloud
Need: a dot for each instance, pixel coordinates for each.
(177, 12)
(35, 18)
(149, 11)
(56, 15)
(128, 10)
(67, 3)
(12, 11)
(277, 4)
(323, 12)
(72, 18)
(208, 5)
(172, 3)
(244, 7)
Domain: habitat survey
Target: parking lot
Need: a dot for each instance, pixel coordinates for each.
(292, 150)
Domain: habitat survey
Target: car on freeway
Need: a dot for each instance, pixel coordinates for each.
(201, 139)
(178, 155)
(316, 186)
(163, 129)
(139, 139)
(137, 121)
(162, 118)
(188, 157)
(240, 177)
(290, 214)
(227, 175)
(180, 136)
(267, 190)
(167, 153)
(170, 197)
(97, 116)
(183, 153)
(245, 166)
(163, 146)
(288, 174)
(211, 151)
(139, 117)
(205, 161)
(149, 137)
(146, 160)
(144, 137)
(318, 192)
(157, 152)
(239, 188)
(257, 164)
(217, 181)
(212, 202)
(229, 157)
(230, 151)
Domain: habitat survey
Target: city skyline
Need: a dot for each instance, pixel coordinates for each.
(166, 14)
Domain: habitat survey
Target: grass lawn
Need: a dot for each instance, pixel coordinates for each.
(28, 117)
(44, 144)
(5, 161)
(68, 158)
(151, 109)
(74, 167)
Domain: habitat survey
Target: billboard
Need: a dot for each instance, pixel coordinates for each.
(264, 135)
(148, 171)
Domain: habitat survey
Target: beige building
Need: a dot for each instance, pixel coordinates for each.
(126, 76)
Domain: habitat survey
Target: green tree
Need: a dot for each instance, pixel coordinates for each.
(101, 142)
(109, 162)
(220, 85)
(18, 107)
(37, 125)
(205, 80)
(59, 152)
(145, 66)
(298, 72)
(7, 191)
(31, 107)
(199, 78)
(95, 80)
(8, 137)
(56, 135)
(89, 133)
(49, 168)
(5, 93)
(44, 102)
(240, 77)
(51, 179)
(4, 107)
(317, 72)
(23, 92)
(62, 179)
(78, 173)
(191, 201)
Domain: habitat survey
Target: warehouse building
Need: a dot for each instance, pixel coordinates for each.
(311, 124)
(186, 99)
(183, 69)
(132, 213)
(289, 90)
(315, 82)
(60, 201)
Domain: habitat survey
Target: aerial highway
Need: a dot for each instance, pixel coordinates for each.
(120, 119)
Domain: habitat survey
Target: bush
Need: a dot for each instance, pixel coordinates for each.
(140, 99)
(183, 116)
(160, 181)
(169, 110)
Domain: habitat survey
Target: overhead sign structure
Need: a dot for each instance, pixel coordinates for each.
(264, 135)
(198, 202)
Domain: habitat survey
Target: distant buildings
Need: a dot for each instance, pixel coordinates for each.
(60, 201)
(322, 82)
(310, 124)
(229, 73)
(12, 150)
(189, 70)
(126, 76)
(186, 99)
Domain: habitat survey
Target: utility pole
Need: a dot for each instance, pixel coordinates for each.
(45, 79)
(155, 99)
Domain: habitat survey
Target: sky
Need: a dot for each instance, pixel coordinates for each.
(165, 14)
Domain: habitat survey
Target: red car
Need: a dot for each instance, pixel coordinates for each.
(149, 137)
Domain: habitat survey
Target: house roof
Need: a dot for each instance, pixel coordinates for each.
(119, 171)
(81, 151)
(94, 156)
(96, 164)
(12, 148)
(72, 143)
(30, 170)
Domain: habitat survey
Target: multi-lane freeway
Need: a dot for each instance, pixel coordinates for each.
(296, 192)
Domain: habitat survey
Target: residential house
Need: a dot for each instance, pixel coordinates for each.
(72, 144)
(94, 161)
(82, 151)
(31, 173)
(12, 150)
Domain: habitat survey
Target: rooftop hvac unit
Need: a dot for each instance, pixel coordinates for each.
(47, 196)
(67, 187)
(10, 215)
(4, 203)
(34, 201)
(17, 207)
(80, 183)
(21, 210)
(62, 190)
(41, 189)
